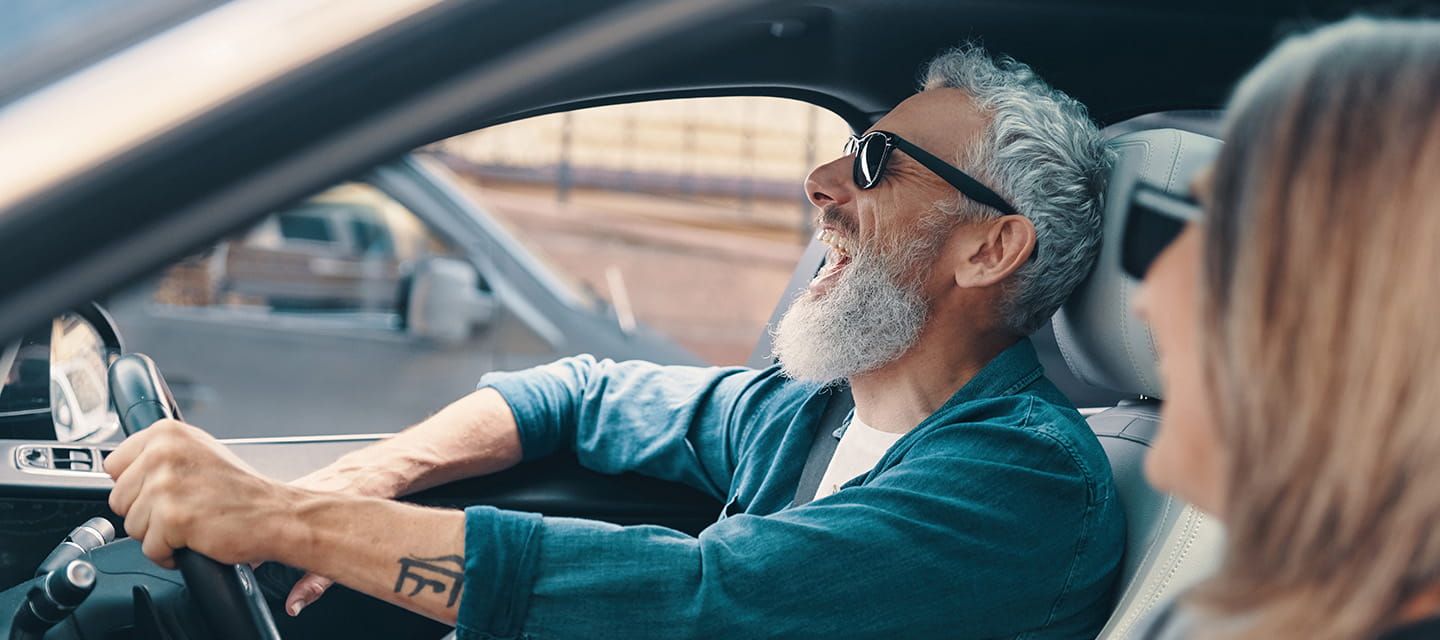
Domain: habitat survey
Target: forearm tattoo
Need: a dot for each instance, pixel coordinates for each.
(446, 575)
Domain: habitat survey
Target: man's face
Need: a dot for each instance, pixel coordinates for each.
(868, 306)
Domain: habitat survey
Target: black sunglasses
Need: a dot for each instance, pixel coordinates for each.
(1153, 220)
(872, 152)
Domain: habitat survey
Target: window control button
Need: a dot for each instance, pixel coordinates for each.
(51, 458)
(35, 458)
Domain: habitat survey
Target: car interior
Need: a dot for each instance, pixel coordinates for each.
(89, 229)
(1170, 545)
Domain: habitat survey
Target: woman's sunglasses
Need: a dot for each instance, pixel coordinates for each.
(1153, 220)
(872, 152)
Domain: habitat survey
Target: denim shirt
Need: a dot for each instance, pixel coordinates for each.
(996, 517)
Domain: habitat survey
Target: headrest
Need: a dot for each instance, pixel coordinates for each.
(1104, 344)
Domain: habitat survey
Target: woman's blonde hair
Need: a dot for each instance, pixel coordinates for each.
(1321, 334)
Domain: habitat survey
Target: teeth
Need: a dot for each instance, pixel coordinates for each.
(839, 243)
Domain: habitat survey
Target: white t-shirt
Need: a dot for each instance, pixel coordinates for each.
(858, 451)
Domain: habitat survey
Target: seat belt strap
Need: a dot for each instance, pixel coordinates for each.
(823, 447)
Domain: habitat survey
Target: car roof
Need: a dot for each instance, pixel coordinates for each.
(456, 66)
(861, 57)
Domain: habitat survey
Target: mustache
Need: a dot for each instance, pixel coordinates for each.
(831, 216)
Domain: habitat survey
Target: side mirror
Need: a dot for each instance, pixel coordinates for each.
(445, 303)
(52, 379)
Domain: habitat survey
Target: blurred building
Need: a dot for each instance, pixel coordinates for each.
(752, 153)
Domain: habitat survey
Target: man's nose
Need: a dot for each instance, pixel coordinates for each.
(830, 183)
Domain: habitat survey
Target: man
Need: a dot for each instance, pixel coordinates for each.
(967, 498)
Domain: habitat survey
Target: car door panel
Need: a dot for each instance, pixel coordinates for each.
(37, 510)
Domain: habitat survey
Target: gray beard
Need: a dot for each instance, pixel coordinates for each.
(869, 318)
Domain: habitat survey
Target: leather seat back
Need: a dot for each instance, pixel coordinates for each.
(1170, 545)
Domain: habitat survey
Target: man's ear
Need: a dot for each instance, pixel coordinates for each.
(994, 250)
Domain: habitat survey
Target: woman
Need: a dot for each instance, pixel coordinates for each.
(1299, 330)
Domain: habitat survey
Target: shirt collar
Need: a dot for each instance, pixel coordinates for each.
(1014, 369)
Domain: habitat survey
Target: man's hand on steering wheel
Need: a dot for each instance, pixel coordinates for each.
(178, 487)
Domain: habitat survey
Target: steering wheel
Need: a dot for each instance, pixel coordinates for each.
(227, 595)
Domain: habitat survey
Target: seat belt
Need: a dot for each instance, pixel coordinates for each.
(823, 447)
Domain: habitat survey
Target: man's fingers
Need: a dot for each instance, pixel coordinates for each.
(306, 591)
(157, 549)
(120, 459)
(137, 521)
(127, 489)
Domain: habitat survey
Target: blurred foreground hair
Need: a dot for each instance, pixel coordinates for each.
(1320, 336)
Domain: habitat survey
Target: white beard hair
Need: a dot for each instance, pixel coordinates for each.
(869, 318)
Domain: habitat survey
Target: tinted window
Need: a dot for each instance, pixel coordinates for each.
(303, 227)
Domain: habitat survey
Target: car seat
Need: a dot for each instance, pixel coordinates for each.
(1170, 545)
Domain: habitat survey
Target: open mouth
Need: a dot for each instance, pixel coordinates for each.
(835, 262)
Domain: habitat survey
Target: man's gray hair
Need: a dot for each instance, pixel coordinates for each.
(1041, 153)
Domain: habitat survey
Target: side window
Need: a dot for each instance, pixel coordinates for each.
(342, 250)
(687, 217)
(662, 231)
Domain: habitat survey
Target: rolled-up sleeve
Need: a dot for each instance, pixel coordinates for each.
(669, 422)
(498, 577)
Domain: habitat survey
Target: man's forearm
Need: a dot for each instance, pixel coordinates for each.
(474, 435)
(409, 555)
